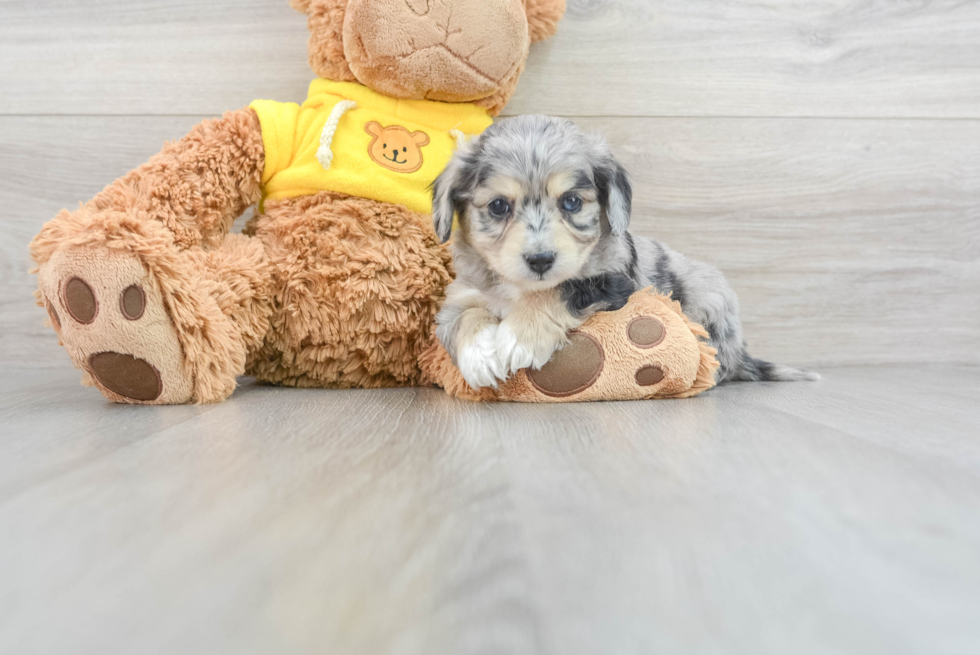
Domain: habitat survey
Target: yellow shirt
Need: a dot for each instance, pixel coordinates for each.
(349, 139)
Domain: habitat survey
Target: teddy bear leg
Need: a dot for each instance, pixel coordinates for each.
(158, 325)
(357, 286)
(147, 292)
(238, 276)
(646, 349)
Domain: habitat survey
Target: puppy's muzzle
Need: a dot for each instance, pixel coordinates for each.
(540, 262)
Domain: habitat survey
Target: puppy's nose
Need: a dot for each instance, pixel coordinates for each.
(540, 262)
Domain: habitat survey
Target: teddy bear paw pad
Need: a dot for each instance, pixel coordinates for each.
(111, 317)
(646, 332)
(649, 375)
(571, 370)
(127, 376)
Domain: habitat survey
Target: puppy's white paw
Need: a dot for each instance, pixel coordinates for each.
(478, 360)
(543, 354)
(515, 354)
(512, 354)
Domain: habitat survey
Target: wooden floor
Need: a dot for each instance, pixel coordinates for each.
(825, 155)
(831, 517)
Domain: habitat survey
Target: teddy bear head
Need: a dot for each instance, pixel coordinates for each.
(446, 50)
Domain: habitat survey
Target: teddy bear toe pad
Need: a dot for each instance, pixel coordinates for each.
(572, 369)
(127, 376)
(110, 316)
(649, 375)
(645, 332)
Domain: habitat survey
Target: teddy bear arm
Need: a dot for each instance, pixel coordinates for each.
(196, 186)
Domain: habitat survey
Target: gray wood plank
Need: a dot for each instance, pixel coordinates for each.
(841, 58)
(34, 451)
(938, 414)
(352, 528)
(404, 521)
(835, 539)
(614, 57)
(849, 241)
(149, 57)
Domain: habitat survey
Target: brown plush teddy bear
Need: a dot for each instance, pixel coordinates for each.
(338, 277)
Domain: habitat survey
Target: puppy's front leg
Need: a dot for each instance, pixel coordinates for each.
(537, 325)
(468, 331)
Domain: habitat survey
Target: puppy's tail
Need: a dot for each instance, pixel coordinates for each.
(753, 369)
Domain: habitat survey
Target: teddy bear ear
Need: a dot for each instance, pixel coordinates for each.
(543, 17)
(302, 6)
(326, 48)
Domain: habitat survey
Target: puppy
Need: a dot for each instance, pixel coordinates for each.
(542, 245)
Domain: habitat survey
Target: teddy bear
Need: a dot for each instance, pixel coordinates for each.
(337, 278)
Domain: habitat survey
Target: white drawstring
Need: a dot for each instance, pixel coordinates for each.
(459, 136)
(325, 155)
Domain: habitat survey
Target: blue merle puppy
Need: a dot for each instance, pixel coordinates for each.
(542, 245)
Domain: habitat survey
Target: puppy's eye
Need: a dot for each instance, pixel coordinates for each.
(571, 203)
(384, 145)
(499, 207)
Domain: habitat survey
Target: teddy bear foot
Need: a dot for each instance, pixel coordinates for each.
(110, 316)
(647, 349)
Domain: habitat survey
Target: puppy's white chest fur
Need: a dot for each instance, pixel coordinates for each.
(502, 298)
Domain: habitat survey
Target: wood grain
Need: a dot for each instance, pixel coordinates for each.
(844, 58)
(849, 241)
(757, 518)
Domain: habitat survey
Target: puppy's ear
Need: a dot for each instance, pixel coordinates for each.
(447, 192)
(615, 192)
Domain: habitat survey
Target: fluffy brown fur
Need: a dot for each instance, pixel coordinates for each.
(543, 17)
(326, 48)
(357, 287)
(197, 186)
